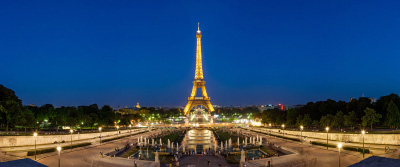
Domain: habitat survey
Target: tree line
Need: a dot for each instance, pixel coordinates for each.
(13, 114)
(358, 113)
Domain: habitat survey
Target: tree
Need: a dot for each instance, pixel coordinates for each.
(291, 117)
(299, 120)
(383, 103)
(393, 115)
(106, 116)
(327, 120)
(315, 123)
(339, 120)
(307, 121)
(351, 120)
(28, 119)
(370, 117)
(9, 110)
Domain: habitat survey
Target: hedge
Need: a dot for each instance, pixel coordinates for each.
(321, 144)
(120, 137)
(48, 150)
(280, 136)
(356, 149)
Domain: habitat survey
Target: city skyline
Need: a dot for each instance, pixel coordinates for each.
(254, 53)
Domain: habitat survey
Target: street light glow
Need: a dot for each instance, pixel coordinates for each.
(327, 128)
(58, 148)
(339, 145)
(35, 134)
(363, 132)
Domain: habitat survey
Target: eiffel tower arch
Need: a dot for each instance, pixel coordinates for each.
(198, 82)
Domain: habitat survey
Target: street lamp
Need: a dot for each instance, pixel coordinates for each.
(339, 146)
(270, 129)
(59, 156)
(130, 127)
(117, 131)
(71, 131)
(301, 134)
(327, 132)
(363, 133)
(283, 131)
(35, 134)
(100, 134)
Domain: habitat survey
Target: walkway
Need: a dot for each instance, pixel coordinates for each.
(90, 157)
(202, 161)
(306, 155)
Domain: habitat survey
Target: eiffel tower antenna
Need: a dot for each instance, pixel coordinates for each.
(198, 26)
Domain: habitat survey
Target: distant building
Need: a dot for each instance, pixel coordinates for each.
(216, 106)
(373, 100)
(137, 105)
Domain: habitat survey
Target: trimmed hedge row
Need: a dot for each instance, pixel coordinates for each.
(48, 150)
(280, 136)
(356, 149)
(120, 137)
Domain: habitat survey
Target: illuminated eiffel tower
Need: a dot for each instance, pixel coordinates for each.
(198, 82)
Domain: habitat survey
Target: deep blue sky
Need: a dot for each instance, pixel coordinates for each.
(254, 52)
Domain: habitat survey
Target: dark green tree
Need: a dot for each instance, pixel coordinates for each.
(327, 120)
(351, 120)
(28, 119)
(299, 120)
(370, 117)
(393, 115)
(291, 117)
(307, 121)
(339, 120)
(10, 109)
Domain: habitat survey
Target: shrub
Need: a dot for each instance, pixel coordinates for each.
(48, 150)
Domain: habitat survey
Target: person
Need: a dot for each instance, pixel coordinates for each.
(135, 163)
(208, 163)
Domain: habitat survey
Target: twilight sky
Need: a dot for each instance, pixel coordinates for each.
(254, 52)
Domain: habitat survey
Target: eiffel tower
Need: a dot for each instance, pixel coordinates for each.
(198, 82)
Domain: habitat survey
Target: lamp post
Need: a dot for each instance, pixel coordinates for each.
(327, 132)
(270, 129)
(100, 134)
(35, 134)
(363, 133)
(117, 131)
(59, 156)
(71, 131)
(130, 127)
(301, 134)
(339, 146)
(283, 131)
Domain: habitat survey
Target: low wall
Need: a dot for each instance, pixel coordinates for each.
(9, 141)
(392, 139)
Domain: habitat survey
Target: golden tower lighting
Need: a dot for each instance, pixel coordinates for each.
(198, 82)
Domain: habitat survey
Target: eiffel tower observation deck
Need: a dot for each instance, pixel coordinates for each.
(198, 82)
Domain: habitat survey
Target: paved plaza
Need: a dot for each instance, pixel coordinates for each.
(90, 157)
(202, 160)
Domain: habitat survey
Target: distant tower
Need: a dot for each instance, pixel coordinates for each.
(137, 105)
(198, 82)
